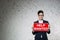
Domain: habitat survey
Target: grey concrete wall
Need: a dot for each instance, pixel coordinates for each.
(17, 17)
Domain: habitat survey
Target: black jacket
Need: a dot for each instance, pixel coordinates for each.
(38, 34)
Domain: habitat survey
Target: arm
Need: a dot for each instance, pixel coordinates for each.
(48, 29)
(33, 31)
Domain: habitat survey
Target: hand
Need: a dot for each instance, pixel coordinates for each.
(32, 29)
(48, 27)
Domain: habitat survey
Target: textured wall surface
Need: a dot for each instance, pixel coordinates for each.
(17, 17)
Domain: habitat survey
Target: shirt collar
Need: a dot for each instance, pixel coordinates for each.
(40, 21)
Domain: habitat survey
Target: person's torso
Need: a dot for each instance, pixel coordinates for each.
(41, 34)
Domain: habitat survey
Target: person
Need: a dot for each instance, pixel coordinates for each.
(41, 35)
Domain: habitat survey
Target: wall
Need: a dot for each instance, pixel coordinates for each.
(17, 17)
